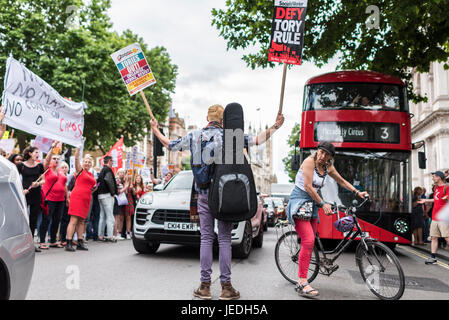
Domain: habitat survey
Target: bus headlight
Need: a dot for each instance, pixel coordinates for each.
(401, 226)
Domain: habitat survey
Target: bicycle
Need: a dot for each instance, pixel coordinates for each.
(379, 266)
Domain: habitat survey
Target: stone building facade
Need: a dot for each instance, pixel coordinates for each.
(262, 164)
(431, 123)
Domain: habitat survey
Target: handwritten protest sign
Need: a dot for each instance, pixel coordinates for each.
(7, 145)
(43, 144)
(33, 106)
(134, 68)
(287, 31)
(139, 161)
(146, 175)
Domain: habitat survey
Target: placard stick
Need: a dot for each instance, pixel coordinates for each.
(281, 103)
(146, 104)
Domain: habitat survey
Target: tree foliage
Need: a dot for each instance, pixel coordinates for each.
(410, 36)
(294, 135)
(73, 56)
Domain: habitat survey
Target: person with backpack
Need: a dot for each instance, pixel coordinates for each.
(437, 228)
(205, 145)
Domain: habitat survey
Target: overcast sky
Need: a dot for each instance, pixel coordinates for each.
(208, 74)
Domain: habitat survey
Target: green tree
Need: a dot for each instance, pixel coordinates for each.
(73, 56)
(411, 35)
(294, 136)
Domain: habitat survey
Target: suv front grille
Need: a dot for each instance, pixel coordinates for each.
(141, 216)
(161, 216)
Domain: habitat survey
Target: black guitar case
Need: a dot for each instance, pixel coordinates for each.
(232, 195)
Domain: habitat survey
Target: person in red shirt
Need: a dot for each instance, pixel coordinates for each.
(438, 228)
(54, 192)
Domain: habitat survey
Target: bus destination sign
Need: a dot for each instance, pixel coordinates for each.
(357, 132)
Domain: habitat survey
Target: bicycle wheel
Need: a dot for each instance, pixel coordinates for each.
(380, 270)
(286, 256)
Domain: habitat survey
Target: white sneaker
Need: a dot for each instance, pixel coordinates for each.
(128, 236)
(119, 237)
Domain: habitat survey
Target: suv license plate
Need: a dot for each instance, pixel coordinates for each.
(180, 226)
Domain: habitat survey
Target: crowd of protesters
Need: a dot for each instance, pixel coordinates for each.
(66, 210)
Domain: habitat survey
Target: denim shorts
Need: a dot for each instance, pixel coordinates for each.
(297, 199)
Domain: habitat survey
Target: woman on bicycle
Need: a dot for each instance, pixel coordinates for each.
(309, 180)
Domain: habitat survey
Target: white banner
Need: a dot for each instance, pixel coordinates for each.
(32, 105)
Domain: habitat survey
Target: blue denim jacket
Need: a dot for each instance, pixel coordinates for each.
(297, 199)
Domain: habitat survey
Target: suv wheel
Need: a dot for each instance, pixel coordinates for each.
(243, 250)
(258, 241)
(145, 246)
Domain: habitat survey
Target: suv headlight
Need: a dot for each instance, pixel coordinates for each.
(147, 199)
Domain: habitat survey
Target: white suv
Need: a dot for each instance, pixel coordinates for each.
(164, 217)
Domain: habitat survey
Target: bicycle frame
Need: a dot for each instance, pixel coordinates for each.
(343, 244)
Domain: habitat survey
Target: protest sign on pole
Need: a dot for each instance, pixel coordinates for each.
(146, 175)
(7, 145)
(135, 71)
(287, 31)
(32, 105)
(43, 144)
(287, 34)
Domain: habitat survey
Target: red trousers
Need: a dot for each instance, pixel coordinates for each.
(306, 232)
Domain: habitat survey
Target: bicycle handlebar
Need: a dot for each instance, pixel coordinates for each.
(336, 208)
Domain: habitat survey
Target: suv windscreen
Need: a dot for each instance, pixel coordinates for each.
(180, 182)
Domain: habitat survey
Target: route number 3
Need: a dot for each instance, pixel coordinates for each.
(385, 134)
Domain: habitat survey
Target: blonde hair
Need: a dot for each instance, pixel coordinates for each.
(89, 157)
(215, 113)
(63, 164)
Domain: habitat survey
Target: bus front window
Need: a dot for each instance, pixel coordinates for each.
(381, 174)
(370, 96)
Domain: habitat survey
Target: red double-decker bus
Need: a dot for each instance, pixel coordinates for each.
(366, 116)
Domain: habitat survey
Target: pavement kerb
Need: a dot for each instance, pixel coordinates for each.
(441, 253)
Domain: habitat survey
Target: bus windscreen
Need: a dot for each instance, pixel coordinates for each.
(349, 95)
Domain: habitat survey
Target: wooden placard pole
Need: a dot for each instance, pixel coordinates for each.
(281, 102)
(146, 104)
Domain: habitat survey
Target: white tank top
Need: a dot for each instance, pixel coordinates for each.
(318, 179)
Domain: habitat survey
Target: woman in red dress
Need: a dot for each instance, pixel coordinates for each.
(80, 199)
(139, 187)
